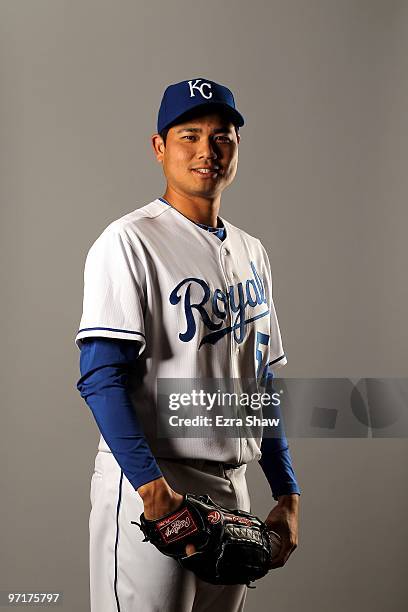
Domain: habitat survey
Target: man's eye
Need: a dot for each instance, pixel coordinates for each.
(224, 139)
(189, 136)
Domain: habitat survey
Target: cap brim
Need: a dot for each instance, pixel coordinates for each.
(236, 117)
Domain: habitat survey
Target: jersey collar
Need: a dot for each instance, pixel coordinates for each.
(220, 232)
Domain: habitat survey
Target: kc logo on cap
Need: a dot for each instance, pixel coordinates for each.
(195, 85)
(183, 97)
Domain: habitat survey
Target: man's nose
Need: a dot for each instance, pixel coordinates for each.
(207, 149)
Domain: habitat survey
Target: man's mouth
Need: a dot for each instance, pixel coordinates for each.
(206, 172)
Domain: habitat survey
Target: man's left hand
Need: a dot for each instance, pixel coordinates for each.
(283, 519)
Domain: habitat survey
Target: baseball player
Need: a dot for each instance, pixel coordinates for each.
(173, 290)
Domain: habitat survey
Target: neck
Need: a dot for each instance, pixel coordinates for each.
(198, 209)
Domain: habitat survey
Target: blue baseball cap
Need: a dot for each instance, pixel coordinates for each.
(181, 98)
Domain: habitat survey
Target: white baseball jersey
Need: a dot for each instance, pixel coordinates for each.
(200, 307)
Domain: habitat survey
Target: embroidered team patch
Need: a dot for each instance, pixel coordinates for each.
(176, 526)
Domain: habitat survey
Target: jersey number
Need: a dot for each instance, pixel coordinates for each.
(262, 341)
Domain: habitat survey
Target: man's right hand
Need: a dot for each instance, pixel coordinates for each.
(160, 499)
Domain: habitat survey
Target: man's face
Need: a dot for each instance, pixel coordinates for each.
(200, 157)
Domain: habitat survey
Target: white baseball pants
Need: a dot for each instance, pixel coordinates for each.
(129, 575)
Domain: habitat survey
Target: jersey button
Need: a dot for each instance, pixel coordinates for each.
(226, 251)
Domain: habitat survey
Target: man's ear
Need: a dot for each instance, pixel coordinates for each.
(237, 133)
(158, 147)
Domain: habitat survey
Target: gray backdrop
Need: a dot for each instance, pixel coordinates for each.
(322, 181)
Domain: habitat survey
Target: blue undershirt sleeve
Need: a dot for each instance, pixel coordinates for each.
(276, 461)
(276, 464)
(104, 366)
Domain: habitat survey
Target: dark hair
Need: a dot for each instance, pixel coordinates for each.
(164, 133)
(191, 115)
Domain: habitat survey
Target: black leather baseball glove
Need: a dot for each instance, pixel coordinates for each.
(232, 546)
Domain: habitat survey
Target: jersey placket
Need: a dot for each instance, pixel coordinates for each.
(231, 279)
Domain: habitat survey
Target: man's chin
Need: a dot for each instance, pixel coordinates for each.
(209, 191)
(197, 191)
